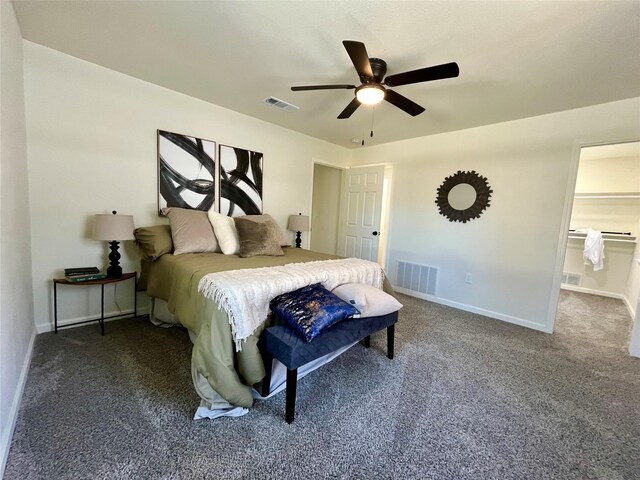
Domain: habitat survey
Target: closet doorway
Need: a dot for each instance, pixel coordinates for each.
(600, 286)
(325, 208)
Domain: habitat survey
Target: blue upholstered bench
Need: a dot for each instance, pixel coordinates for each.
(288, 346)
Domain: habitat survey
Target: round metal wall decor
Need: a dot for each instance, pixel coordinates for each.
(482, 196)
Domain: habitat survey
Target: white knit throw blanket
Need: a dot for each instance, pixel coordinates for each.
(245, 294)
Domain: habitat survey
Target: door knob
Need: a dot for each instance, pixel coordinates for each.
(375, 234)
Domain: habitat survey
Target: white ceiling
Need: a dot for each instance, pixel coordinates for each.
(517, 59)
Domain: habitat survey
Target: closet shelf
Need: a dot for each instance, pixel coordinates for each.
(607, 237)
(608, 195)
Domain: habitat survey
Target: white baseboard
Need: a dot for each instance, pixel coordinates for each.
(602, 293)
(480, 311)
(5, 441)
(48, 327)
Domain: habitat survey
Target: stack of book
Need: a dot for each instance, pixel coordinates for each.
(83, 274)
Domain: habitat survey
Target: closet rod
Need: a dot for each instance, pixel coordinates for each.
(610, 233)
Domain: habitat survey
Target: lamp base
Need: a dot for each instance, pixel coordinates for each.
(114, 270)
(298, 238)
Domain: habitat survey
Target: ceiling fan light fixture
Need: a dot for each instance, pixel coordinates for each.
(370, 94)
(372, 71)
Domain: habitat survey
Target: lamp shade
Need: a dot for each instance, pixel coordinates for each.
(298, 223)
(113, 227)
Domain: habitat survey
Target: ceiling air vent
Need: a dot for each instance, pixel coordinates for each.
(281, 104)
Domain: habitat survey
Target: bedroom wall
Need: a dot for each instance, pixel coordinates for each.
(92, 149)
(16, 297)
(612, 279)
(511, 250)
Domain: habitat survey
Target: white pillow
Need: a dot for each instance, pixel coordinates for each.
(225, 230)
(371, 301)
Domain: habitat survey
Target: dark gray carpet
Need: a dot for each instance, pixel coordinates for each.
(466, 397)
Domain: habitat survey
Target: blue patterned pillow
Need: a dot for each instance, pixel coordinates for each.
(310, 310)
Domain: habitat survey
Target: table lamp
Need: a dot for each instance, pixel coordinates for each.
(298, 223)
(113, 229)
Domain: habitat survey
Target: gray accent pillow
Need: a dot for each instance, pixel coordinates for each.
(191, 231)
(257, 238)
(283, 239)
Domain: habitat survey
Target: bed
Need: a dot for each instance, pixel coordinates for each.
(222, 376)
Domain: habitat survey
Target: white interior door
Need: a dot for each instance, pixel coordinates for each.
(362, 210)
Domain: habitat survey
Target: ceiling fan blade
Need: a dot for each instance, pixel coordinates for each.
(403, 103)
(323, 87)
(358, 54)
(352, 107)
(437, 72)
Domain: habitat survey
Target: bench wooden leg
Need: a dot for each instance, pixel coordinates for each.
(367, 341)
(390, 340)
(292, 382)
(267, 358)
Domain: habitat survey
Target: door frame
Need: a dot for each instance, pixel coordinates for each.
(563, 238)
(342, 169)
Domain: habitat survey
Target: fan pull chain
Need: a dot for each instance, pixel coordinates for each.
(373, 114)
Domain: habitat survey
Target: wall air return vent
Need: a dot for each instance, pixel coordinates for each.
(281, 104)
(417, 278)
(571, 279)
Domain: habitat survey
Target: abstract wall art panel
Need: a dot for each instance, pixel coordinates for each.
(186, 172)
(240, 181)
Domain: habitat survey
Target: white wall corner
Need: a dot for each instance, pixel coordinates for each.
(634, 345)
(563, 238)
(7, 434)
(630, 309)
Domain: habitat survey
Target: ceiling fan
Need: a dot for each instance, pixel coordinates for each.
(372, 72)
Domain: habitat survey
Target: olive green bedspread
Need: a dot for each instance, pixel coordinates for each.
(215, 365)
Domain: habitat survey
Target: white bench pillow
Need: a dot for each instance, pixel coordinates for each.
(371, 301)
